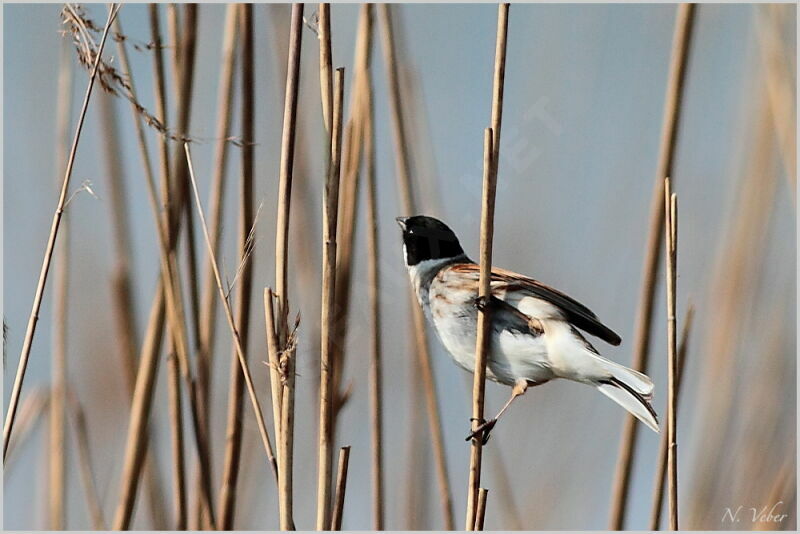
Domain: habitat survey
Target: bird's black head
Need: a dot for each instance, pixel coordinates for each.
(426, 238)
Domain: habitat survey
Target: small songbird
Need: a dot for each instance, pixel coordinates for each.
(534, 328)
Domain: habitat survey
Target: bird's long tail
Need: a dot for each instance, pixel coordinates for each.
(630, 389)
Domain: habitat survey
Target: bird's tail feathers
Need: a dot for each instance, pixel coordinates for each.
(627, 397)
(638, 382)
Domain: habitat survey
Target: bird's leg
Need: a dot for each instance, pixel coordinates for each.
(520, 386)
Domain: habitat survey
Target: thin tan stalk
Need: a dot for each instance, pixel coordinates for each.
(51, 242)
(262, 428)
(661, 463)
(287, 166)
(140, 411)
(671, 239)
(81, 433)
(208, 315)
(408, 207)
(329, 224)
(57, 456)
(233, 443)
(480, 514)
(176, 423)
(373, 267)
(482, 344)
(274, 365)
(644, 316)
(341, 487)
(286, 458)
(325, 66)
(31, 411)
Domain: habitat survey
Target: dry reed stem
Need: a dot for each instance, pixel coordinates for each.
(274, 365)
(233, 442)
(329, 225)
(51, 242)
(140, 410)
(341, 487)
(31, 411)
(671, 239)
(325, 66)
(483, 342)
(480, 514)
(176, 424)
(373, 267)
(287, 166)
(286, 458)
(57, 456)
(208, 315)
(262, 428)
(408, 207)
(661, 463)
(681, 41)
(80, 431)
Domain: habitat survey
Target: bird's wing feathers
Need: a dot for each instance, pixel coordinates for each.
(540, 301)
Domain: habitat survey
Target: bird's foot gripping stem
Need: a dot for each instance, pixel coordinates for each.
(483, 430)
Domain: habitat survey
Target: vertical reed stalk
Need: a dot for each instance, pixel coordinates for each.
(325, 66)
(408, 207)
(233, 445)
(286, 458)
(681, 41)
(373, 266)
(58, 386)
(262, 428)
(483, 342)
(176, 422)
(80, 431)
(661, 463)
(329, 225)
(480, 514)
(51, 242)
(341, 487)
(671, 242)
(276, 388)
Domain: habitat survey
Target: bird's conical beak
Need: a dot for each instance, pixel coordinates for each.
(402, 222)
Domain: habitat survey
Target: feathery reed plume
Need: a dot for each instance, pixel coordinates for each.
(671, 242)
(51, 242)
(483, 342)
(408, 207)
(341, 487)
(329, 224)
(80, 431)
(373, 267)
(233, 444)
(262, 428)
(480, 514)
(57, 455)
(644, 316)
(661, 463)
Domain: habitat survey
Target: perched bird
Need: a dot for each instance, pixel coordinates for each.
(535, 334)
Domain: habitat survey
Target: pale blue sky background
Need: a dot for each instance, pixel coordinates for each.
(582, 116)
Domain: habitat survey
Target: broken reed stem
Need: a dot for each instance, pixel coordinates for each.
(233, 443)
(482, 344)
(140, 410)
(341, 487)
(208, 315)
(661, 463)
(286, 167)
(408, 208)
(325, 66)
(176, 424)
(58, 380)
(262, 428)
(373, 267)
(80, 431)
(51, 242)
(329, 225)
(671, 238)
(480, 514)
(681, 40)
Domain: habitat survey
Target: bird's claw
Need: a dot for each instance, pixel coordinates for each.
(482, 430)
(481, 302)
